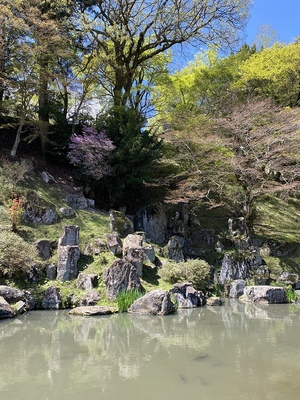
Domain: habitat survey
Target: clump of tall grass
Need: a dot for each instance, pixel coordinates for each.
(126, 298)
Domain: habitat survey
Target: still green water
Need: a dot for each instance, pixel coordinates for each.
(237, 351)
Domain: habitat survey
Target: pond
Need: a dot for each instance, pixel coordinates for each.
(237, 351)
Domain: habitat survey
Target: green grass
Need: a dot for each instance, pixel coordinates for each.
(126, 298)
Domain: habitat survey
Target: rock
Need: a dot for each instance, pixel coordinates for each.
(262, 276)
(114, 243)
(120, 223)
(121, 275)
(237, 288)
(136, 251)
(69, 236)
(135, 256)
(43, 247)
(77, 201)
(68, 253)
(289, 278)
(90, 298)
(187, 296)
(265, 294)
(87, 281)
(29, 300)
(47, 178)
(149, 253)
(20, 307)
(51, 299)
(51, 271)
(92, 310)
(67, 212)
(6, 310)
(156, 302)
(68, 257)
(213, 301)
(236, 266)
(175, 249)
(11, 295)
(96, 247)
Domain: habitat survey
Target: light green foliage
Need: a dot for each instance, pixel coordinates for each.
(273, 72)
(194, 271)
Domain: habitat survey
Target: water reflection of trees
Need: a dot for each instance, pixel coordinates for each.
(56, 352)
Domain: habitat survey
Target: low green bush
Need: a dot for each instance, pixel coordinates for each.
(17, 257)
(195, 271)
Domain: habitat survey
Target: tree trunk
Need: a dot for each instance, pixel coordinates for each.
(13, 152)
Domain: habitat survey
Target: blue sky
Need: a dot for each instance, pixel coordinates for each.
(282, 15)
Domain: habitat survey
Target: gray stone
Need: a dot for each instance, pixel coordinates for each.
(96, 247)
(121, 275)
(175, 249)
(262, 276)
(237, 288)
(236, 266)
(156, 302)
(51, 299)
(135, 256)
(69, 236)
(265, 294)
(43, 247)
(289, 278)
(120, 223)
(92, 310)
(114, 243)
(68, 257)
(213, 301)
(20, 307)
(149, 253)
(47, 178)
(51, 271)
(68, 253)
(77, 201)
(11, 295)
(6, 310)
(90, 298)
(67, 212)
(87, 281)
(187, 296)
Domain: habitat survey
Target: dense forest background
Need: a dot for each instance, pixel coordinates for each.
(87, 85)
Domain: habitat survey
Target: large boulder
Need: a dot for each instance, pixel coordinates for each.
(265, 294)
(114, 243)
(51, 299)
(39, 211)
(120, 223)
(175, 248)
(237, 266)
(214, 301)
(68, 253)
(43, 247)
(237, 288)
(87, 281)
(289, 278)
(121, 275)
(77, 201)
(6, 310)
(11, 295)
(156, 302)
(187, 296)
(88, 311)
(90, 298)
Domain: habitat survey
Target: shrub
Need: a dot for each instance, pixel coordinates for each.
(17, 257)
(15, 211)
(90, 152)
(195, 271)
(126, 298)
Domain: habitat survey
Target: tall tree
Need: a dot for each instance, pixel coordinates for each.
(127, 33)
